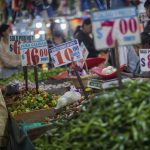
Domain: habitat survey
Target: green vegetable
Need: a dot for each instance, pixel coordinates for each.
(115, 120)
(42, 75)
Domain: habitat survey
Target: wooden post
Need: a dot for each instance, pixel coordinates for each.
(86, 67)
(118, 65)
(36, 75)
(25, 72)
(81, 83)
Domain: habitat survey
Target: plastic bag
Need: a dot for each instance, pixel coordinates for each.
(68, 98)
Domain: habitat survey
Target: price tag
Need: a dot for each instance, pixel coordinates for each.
(85, 54)
(119, 24)
(37, 51)
(84, 50)
(94, 83)
(63, 53)
(16, 40)
(145, 59)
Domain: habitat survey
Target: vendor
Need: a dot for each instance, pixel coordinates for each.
(85, 36)
(9, 62)
(147, 7)
(58, 38)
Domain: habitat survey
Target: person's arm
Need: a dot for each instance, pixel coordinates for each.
(9, 59)
(133, 59)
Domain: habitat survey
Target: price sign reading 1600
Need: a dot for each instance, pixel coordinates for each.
(34, 53)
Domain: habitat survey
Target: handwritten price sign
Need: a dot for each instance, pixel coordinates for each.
(119, 24)
(145, 59)
(35, 51)
(63, 54)
(16, 40)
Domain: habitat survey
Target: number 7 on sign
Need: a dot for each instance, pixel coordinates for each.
(110, 24)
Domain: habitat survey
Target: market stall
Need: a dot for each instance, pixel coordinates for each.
(62, 99)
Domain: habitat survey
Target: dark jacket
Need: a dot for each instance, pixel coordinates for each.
(88, 42)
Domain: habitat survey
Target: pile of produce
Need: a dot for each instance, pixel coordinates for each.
(28, 101)
(115, 120)
(42, 75)
(45, 75)
(15, 76)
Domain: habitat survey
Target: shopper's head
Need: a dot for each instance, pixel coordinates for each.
(147, 7)
(58, 37)
(5, 30)
(87, 26)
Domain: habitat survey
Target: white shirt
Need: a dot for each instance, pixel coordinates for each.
(128, 57)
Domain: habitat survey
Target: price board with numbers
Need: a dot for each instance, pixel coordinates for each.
(145, 59)
(35, 51)
(16, 40)
(64, 53)
(120, 24)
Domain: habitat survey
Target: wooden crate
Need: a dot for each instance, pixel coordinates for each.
(36, 116)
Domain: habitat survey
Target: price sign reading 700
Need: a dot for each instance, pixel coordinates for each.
(120, 24)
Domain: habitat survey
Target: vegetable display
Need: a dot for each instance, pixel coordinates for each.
(116, 120)
(42, 75)
(28, 101)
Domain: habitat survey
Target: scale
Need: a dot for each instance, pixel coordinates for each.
(104, 84)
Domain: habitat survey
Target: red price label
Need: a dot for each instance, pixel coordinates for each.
(15, 47)
(61, 56)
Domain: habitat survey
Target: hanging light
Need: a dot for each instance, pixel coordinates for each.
(14, 32)
(37, 36)
(38, 25)
(63, 26)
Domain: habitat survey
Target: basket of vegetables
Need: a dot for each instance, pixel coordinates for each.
(33, 107)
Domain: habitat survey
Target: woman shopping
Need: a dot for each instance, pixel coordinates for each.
(9, 62)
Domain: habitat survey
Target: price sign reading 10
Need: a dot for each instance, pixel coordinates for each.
(36, 52)
(120, 24)
(64, 53)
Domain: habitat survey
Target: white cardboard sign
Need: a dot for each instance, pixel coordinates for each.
(85, 54)
(37, 51)
(145, 59)
(64, 53)
(120, 24)
(16, 40)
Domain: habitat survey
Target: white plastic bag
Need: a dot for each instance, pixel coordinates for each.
(68, 98)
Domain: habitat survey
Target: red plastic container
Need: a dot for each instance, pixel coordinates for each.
(92, 62)
(106, 76)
